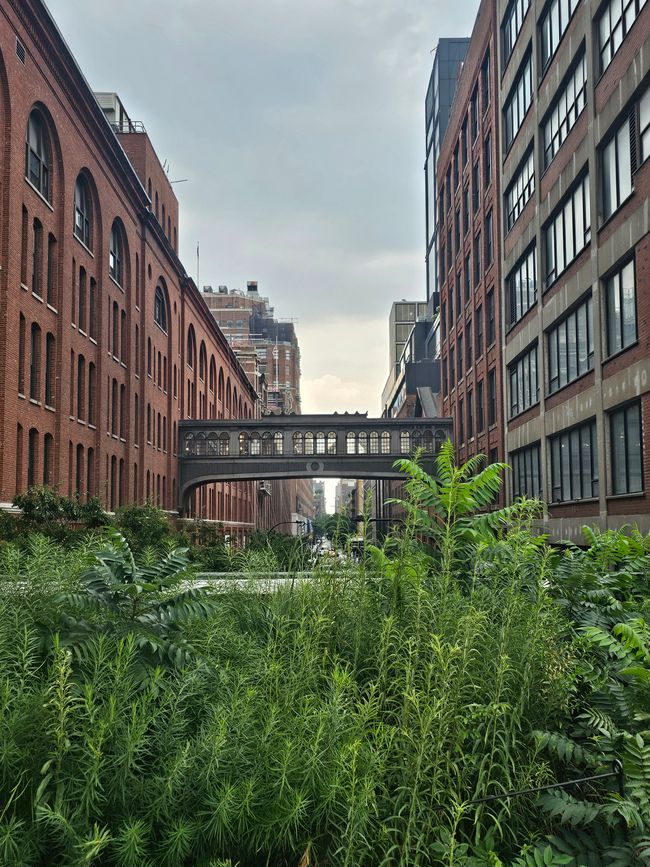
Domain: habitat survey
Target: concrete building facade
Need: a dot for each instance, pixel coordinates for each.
(106, 342)
(574, 92)
(469, 239)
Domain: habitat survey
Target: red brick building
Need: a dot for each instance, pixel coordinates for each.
(469, 220)
(106, 342)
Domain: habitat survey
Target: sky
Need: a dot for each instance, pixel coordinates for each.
(299, 125)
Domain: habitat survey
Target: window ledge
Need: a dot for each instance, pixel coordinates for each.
(81, 421)
(81, 331)
(38, 297)
(621, 204)
(39, 193)
(91, 426)
(53, 309)
(573, 502)
(93, 340)
(123, 365)
(34, 401)
(571, 382)
(50, 408)
(81, 243)
(632, 495)
(620, 351)
(113, 280)
(21, 395)
(25, 287)
(522, 411)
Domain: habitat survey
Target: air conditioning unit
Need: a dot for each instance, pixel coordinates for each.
(264, 486)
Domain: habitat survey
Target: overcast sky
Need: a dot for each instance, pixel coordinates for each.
(300, 127)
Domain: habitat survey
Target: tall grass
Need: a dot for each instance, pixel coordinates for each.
(348, 721)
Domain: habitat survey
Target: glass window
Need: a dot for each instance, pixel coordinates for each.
(485, 82)
(526, 477)
(82, 211)
(553, 25)
(522, 286)
(620, 294)
(512, 22)
(37, 155)
(613, 24)
(489, 252)
(574, 464)
(571, 347)
(480, 416)
(518, 102)
(487, 160)
(491, 325)
(520, 190)
(644, 125)
(160, 314)
(565, 110)
(568, 232)
(115, 254)
(616, 168)
(492, 396)
(522, 376)
(626, 450)
(479, 331)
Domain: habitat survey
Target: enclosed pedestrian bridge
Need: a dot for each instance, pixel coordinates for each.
(301, 446)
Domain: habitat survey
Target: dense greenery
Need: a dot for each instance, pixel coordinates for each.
(355, 719)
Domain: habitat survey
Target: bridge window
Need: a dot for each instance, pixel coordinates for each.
(427, 442)
(224, 444)
(405, 442)
(385, 442)
(267, 443)
(298, 447)
(331, 443)
(201, 444)
(244, 443)
(320, 443)
(362, 443)
(350, 443)
(309, 443)
(256, 444)
(374, 442)
(416, 440)
(278, 443)
(189, 446)
(213, 443)
(439, 439)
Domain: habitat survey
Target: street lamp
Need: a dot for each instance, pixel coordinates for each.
(282, 523)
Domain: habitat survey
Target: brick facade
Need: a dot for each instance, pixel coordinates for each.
(93, 377)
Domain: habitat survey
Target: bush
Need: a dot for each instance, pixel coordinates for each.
(143, 526)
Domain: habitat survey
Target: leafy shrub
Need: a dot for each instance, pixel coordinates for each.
(143, 526)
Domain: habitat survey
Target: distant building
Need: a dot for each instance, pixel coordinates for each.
(345, 497)
(319, 499)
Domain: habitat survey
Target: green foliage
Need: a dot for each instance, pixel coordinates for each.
(143, 526)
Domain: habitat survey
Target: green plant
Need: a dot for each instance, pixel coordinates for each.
(144, 526)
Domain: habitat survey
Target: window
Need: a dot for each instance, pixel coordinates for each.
(565, 110)
(485, 82)
(456, 168)
(50, 369)
(123, 337)
(24, 241)
(476, 188)
(463, 142)
(48, 458)
(459, 297)
(37, 258)
(574, 464)
(613, 25)
(553, 25)
(474, 114)
(443, 319)
(489, 253)
(479, 331)
(21, 355)
(92, 396)
(568, 232)
(92, 309)
(620, 297)
(468, 344)
(518, 103)
(626, 450)
(81, 387)
(81, 306)
(571, 347)
(35, 363)
(115, 254)
(522, 376)
(522, 286)
(480, 416)
(512, 22)
(160, 316)
(466, 210)
(491, 325)
(467, 271)
(460, 356)
(644, 125)
(32, 457)
(116, 330)
(444, 377)
(457, 230)
(37, 155)
(520, 190)
(51, 270)
(461, 420)
(477, 260)
(82, 211)
(487, 160)
(114, 407)
(470, 414)
(526, 481)
(452, 368)
(492, 396)
(616, 169)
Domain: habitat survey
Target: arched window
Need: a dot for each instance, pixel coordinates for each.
(50, 369)
(385, 442)
(298, 447)
(92, 397)
(416, 440)
(350, 443)
(362, 443)
(160, 310)
(439, 439)
(203, 361)
(81, 387)
(309, 443)
(116, 254)
(244, 443)
(374, 442)
(255, 443)
(32, 457)
(81, 306)
(48, 459)
(35, 363)
(427, 441)
(320, 443)
(212, 384)
(82, 212)
(405, 442)
(189, 445)
(190, 348)
(37, 155)
(278, 443)
(213, 443)
(267, 443)
(201, 443)
(224, 444)
(331, 443)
